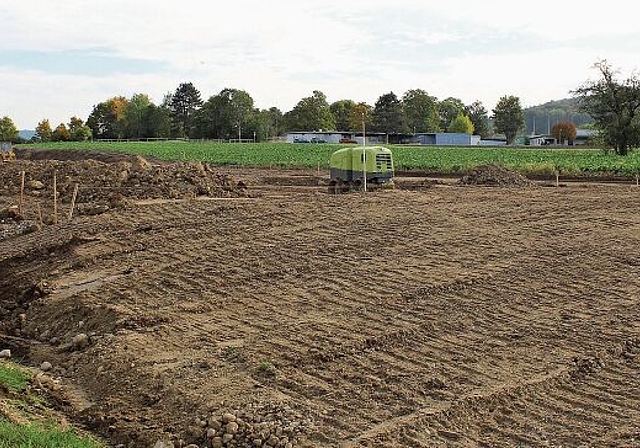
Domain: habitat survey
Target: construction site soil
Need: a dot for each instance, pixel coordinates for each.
(277, 315)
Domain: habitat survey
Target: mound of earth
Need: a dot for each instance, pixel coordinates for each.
(494, 175)
(100, 182)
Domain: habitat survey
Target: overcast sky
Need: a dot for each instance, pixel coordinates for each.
(58, 59)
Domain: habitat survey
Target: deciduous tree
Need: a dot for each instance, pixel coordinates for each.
(61, 133)
(421, 111)
(107, 119)
(360, 112)
(615, 106)
(43, 131)
(508, 117)
(311, 114)
(565, 131)
(157, 122)
(480, 119)
(461, 124)
(388, 115)
(341, 111)
(78, 131)
(449, 108)
(226, 115)
(136, 114)
(268, 123)
(8, 130)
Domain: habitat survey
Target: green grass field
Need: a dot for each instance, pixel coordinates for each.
(445, 160)
(36, 427)
(13, 378)
(13, 435)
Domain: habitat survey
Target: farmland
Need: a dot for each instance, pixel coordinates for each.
(444, 160)
(449, 316)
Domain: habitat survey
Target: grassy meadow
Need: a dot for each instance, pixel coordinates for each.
(444, 160)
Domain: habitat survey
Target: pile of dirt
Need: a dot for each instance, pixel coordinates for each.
(494, 175)
(104, 184)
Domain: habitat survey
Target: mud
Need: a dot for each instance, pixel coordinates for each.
(454, 317)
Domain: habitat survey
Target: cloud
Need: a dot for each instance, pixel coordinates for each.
(94, 62)
(282, 50)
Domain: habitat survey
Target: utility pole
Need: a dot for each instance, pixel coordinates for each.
(364, 155)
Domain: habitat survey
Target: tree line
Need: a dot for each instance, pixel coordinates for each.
(231, 114)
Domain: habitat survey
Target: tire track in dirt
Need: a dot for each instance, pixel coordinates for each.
(449, 321)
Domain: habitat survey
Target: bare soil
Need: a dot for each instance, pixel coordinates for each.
(450, 316)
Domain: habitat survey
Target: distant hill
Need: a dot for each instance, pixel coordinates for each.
(546, 115)
(27, 134)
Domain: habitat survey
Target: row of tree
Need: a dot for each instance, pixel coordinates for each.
(231, 114)
(76, 130)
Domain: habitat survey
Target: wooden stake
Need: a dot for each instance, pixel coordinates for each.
(55, 197)
(73, 201)
(557, 178)
(637, 183)
(20, 207)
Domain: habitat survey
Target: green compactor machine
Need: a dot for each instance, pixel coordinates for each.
(348, 168)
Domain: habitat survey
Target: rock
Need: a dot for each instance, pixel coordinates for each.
(35, 185)
(193, 445)
(11, 212)
(80, 341)
(215, 423)
(140, 164)
(163, 444)
(216, 442)
(257, 442)
(228, 417)
(227, 438)
(5, 354)
(273, 441)
(211, 433)
(45, 366)
(231, 428)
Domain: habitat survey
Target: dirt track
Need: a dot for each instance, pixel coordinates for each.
(453, 316)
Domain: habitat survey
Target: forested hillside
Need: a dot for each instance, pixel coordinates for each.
(544, 116)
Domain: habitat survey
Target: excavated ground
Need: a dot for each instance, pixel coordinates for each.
(455, 316)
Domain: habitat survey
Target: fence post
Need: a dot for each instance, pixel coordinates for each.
(21, 206)
(55, 197)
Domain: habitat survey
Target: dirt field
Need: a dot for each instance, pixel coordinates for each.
(449, 315)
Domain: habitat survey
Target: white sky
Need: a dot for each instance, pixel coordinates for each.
(58, 59)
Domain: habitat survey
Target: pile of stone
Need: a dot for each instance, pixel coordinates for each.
(268, 426)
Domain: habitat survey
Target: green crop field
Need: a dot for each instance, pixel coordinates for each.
(445, 160)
